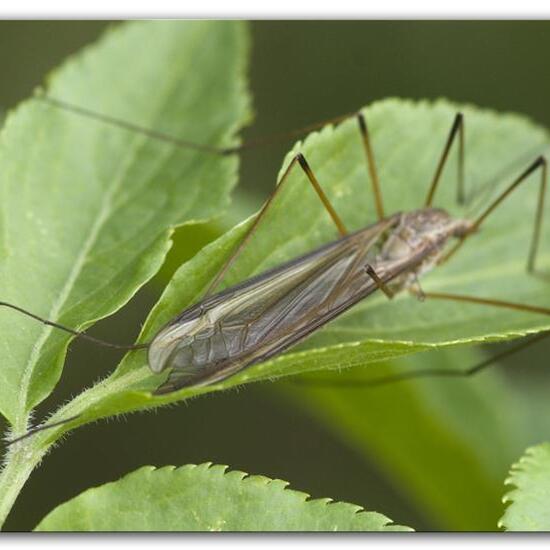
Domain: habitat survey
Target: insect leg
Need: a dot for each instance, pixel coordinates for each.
(379, 282)
(422, 373)
(535, 239)
(183, 143)
(363, 128)
(36, 429)
(77, 333)
(478, 367)
(539, 163)
(488, 302)
(457, 128)
(300, 160)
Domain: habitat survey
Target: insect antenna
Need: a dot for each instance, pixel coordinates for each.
(77, 333)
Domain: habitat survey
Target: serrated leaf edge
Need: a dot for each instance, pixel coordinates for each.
(520, 467)
(223, 471)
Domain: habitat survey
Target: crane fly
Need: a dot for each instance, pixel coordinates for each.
(245, 324)
(263, 316)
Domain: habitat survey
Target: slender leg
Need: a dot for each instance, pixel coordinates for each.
(488, 302)
(416, 290)
(445, 372)
(77, 333)
(363, 128)
(379, 283)
(422, 373)
(182, 143)
(457, 128)
(539, 163)
(185, 144)
(41, 428)
(301, 161)
(531, 259)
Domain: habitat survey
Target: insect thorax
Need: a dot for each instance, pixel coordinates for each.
(424, 230)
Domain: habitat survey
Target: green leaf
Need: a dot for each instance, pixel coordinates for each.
(408, 138)
(206, 498)
(88, 208)
(445, 444)
(529, 508)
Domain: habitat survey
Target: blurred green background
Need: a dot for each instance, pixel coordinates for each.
(301, 72)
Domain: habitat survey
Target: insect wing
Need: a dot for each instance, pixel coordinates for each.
(264, 315)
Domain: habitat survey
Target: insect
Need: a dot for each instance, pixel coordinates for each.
(225, 332)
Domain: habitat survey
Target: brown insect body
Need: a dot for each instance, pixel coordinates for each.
(269, 313)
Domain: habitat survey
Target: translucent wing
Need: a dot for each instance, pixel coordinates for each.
(264, 315)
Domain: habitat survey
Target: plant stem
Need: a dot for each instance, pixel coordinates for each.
(18, 465)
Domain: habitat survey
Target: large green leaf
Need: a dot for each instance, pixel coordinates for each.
(206, 498)
(529, 508)
(445, 444)
(88, 208)
(408, 139)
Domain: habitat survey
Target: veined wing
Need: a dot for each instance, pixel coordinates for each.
(266, 314)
